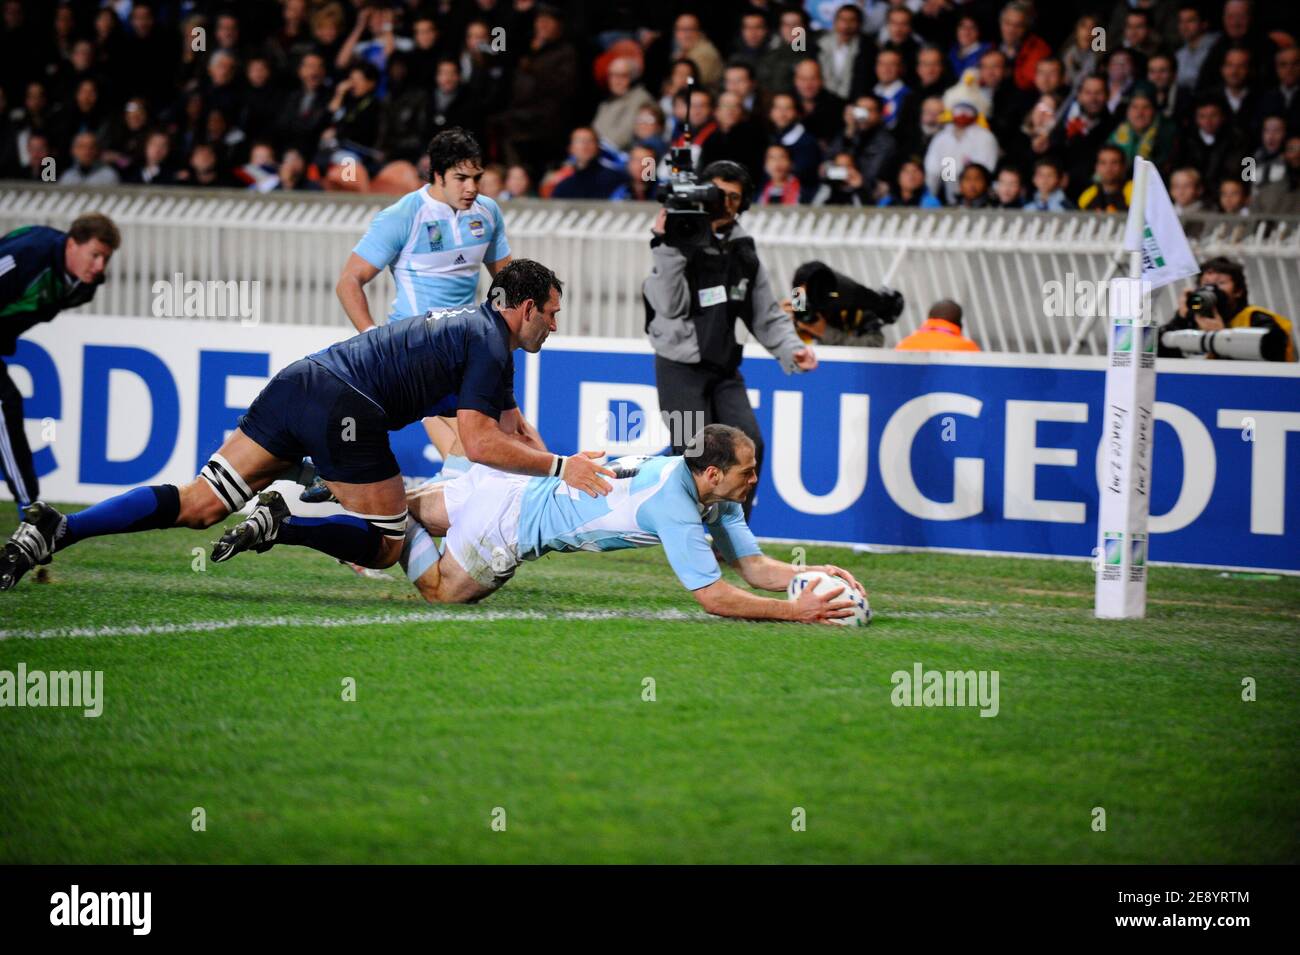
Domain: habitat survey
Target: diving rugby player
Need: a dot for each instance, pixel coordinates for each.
(491, 521)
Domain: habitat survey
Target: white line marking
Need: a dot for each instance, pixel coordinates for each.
(429, 616)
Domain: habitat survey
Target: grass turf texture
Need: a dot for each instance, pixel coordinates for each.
(545, 718)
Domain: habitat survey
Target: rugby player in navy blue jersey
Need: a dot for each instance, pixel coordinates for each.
(338, 406)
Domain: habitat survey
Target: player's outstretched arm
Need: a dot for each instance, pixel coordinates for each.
(725, 600)
(767, 573)
(486, 443)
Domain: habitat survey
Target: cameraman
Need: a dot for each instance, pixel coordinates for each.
(693, 297)
(1220, 301)
(830, 308)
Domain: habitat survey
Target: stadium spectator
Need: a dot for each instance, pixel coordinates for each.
(1121, 74)
(154, 167)
(493, 181)
(973, 188)
(845, 55)
(1111, 188)
(941, 331)
(680, 73)
(908, 188)
(1186, 188)
(87, 168)
(1079, 55)
(967, 48)
(1022, 48)
(1082, 132)
(586, 177)
(864, 137)
(404, 114)
(1008, 188)
(689, 42)
(738, 137)
(1007, 103)
(754, 40)
(38, 162)
(354, 111)
(451, 104)
(1229, 308)
(775, 68)
(787, 130)
(1282, 196)
(899, 38)
(931, 77)
(781, 186)
(542, 94)
(292, 174)
(1170, 99)
(126, 134)
(1269, 164)
(894, 94)
(822, 110)
(1198, 41)
(962, 141)
(204, 169)
(305, 112)
(1243, 102)
(1234, 197)
(1212, 146)
(1138, 35)
(1283, 98)
(1049, 187)
(519, 184)
(262, 102)
(842, 184)
(1144, 131)
(615, 120)
(641, 185)
(649, 129)
(738, 79)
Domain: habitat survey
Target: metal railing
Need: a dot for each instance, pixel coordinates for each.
(997, 264)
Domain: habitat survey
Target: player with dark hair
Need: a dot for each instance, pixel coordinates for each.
(434, 241)
(338, 406)
(42, 272)
(492, 521)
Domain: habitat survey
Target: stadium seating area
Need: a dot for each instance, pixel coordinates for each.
(914, 103)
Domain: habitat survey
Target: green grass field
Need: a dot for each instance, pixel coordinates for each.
(532, 702)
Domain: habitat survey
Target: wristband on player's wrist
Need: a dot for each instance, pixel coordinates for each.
(557, 466)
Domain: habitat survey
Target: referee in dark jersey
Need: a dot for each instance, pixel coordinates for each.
(42, 272)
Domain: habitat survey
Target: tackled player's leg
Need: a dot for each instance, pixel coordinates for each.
(239, 469)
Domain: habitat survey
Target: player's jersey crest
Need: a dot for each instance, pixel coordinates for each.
(477, 228)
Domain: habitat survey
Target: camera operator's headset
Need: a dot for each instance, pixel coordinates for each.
(732, 172)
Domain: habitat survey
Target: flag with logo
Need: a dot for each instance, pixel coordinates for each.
(1166, 256)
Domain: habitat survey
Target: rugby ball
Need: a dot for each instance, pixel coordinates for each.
(822, 583)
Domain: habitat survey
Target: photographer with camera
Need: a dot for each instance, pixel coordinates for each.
(1216, 320)
(830, 308)
(706, 275)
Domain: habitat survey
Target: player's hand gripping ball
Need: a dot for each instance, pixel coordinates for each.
(825, 583)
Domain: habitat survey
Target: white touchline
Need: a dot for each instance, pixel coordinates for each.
(430, 616)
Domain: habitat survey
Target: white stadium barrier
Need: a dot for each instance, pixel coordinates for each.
(997, 264)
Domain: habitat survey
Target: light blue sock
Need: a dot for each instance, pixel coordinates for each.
(419, 553)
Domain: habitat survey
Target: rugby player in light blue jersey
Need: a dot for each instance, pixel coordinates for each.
(434, 241)
(490, 521)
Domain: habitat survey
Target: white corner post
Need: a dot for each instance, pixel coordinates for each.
(1128, 426)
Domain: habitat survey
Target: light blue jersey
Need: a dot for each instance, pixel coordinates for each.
(434, 251)
(658, 505)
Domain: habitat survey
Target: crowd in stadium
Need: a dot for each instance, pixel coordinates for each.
(913, 102)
